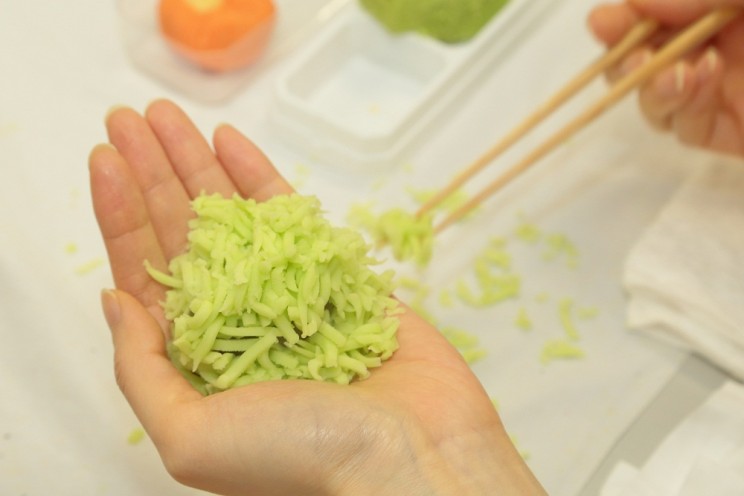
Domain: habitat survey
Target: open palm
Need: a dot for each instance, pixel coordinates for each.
(421, 424)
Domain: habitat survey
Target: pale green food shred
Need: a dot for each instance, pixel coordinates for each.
(494, 279)
(528, 232)
(466, 343)
(90, 266)
(559, 246)
(523, 320)
(523, 453)
(272, 291)
(560, 350)
(410, 237)
(136, 436)
(565, 312)
(445, 299)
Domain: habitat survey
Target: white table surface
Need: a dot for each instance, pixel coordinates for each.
(63, 422)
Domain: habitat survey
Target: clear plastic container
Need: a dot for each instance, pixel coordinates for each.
(360, 98)
(296, 21)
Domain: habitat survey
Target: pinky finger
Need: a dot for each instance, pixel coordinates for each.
(666, 94)
(694, 123)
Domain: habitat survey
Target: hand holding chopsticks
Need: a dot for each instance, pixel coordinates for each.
(678, 47)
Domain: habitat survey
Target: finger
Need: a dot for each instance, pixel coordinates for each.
(610, 22)
(165, 197)
(149, 381)
(679, 12)
(125, 226)
(695, 121)
(189, 153)
(666, 93)
(250, 170)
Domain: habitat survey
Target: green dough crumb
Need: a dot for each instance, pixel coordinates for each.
(558, 245)
(466, 343)
(495, 281)
(451, 21)
(71, 248)
(528, 232)
(565, 309)
(272, 291)
(90, 266)
(136, 436)
(560, 349)
(496, 255)
(409, 237)
(445, 299)
(523, 320)
(523, 453)
(494, 289)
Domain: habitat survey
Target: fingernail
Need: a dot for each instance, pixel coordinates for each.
(111, 308)
(708, 65)
(672, 83)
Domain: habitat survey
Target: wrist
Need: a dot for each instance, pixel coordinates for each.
(473, 463)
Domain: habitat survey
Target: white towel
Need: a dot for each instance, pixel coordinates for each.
(703, 455)
(685, 276)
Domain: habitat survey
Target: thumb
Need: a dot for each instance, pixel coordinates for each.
(150, 382)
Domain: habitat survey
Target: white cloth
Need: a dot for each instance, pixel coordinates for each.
(703, 455)
(685, 277)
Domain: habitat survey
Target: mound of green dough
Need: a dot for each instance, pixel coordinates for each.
(272, 290)
(451, 21)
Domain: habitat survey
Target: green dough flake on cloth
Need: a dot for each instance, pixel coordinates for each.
(272, 291)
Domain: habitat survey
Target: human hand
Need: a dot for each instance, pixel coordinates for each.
(420, 424)
(701, 98)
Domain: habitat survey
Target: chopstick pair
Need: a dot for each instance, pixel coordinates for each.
(695, 34)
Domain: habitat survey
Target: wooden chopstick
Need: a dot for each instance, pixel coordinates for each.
(695, 34)
(637, 35)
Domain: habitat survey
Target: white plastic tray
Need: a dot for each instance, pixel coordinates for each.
(297, 20)
(359, 97)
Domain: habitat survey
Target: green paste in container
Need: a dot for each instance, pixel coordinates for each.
(451, 21)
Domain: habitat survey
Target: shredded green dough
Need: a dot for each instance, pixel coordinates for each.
(271, 291)
(410, 237)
